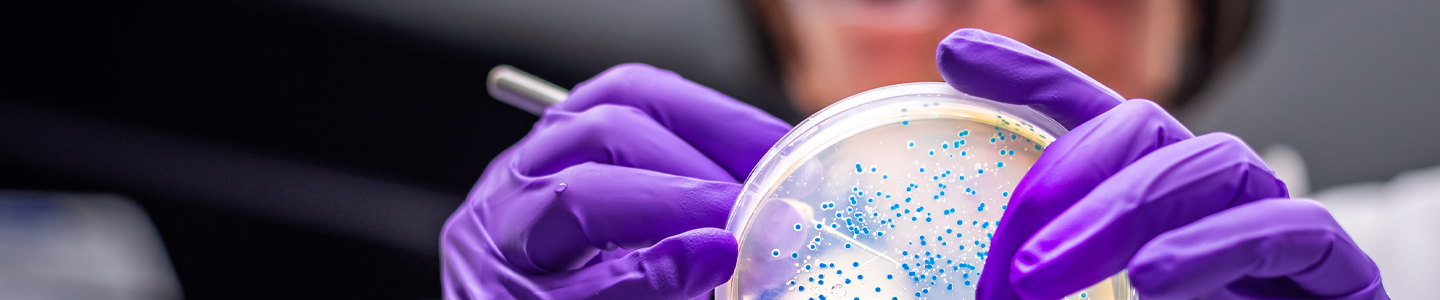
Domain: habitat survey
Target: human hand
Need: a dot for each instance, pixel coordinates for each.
(618, 192)
(1130, 188)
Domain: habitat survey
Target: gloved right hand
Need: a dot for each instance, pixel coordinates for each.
(618, 193)
(1130, 188)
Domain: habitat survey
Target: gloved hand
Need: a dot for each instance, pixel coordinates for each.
(1130, 188)
(618, 193)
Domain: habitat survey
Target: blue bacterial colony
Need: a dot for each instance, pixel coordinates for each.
(909, 246)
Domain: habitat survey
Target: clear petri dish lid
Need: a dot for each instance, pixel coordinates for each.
(873, 108)
(805, 213)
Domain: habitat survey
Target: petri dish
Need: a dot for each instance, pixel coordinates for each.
(893, 193)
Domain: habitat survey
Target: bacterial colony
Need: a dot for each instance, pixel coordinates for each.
(905, 210)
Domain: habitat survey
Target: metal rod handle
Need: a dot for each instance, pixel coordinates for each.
(522, 90)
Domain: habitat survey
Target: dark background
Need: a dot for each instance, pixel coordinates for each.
(270, 78)
(313, 148)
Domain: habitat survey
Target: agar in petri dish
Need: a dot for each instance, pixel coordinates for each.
(894, 193)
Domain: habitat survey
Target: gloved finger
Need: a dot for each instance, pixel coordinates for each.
(1070, 168)
(605, 206)
(684, 266)
(1292, 238)
(610, 134)
(732, 134)
(1171, 187)
(998, 68)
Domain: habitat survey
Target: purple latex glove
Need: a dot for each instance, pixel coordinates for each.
(1130, 188)
(617, 193)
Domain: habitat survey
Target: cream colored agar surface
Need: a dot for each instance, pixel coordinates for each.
(856, 255)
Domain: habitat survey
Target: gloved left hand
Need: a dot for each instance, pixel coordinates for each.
(1130, 188)
(618, 193)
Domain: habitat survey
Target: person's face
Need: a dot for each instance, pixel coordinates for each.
(843, 47)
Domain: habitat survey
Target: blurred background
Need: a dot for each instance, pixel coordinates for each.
(313, 148)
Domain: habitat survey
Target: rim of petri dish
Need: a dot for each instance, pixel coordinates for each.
(864, 111)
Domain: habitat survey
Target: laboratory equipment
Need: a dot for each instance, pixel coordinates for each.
(522, 90)
(894, 193)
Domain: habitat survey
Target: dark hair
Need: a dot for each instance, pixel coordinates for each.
(1225, 28)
